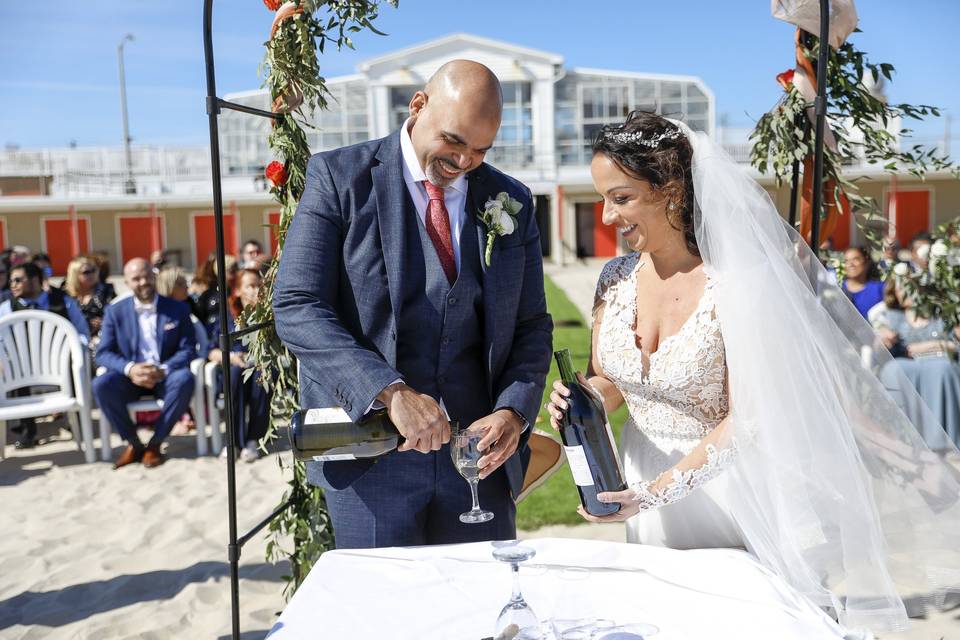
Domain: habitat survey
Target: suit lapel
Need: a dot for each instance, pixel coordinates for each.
(161, 321)
(392, 196)
(477, 194)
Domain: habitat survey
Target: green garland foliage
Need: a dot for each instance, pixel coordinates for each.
(860, 123)
(291, 71)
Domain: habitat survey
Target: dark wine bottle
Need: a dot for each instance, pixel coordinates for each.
(588, 441)
(329, 434)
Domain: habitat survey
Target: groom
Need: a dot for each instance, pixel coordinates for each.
(384, 296)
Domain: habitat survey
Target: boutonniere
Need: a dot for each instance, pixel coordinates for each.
(500, 216)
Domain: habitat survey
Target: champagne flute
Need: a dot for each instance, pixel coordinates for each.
(516, 615)
(464, 452)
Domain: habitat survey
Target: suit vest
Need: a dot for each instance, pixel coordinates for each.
(440, 326)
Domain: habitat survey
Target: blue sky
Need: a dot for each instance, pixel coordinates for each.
(59, 79)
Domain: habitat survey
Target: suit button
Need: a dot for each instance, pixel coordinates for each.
(441, 379)
(452, 300)
(445, 340)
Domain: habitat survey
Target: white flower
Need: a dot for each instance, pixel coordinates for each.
(953, 258)
(939, 249)
(900, 269)
(507, 224)
(923, 251)
(499, 216)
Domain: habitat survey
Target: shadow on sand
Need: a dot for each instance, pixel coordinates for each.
(80, 601)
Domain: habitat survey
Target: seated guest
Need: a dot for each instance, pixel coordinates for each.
(146, 343)
(102, 260)
(860, 281)
(926, 353)
(26, 285)
(83, 284)
(172, 283)
(920, 251)
(244, 393)
(252, 255)
(5, 293)
(208, 302)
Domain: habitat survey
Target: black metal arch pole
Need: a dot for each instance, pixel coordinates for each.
(227, 338)
(213, 110)
(820, 109)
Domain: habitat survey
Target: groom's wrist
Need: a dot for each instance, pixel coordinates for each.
(386, 395)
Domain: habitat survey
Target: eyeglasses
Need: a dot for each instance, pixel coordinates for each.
(18, 280)
(87, 272)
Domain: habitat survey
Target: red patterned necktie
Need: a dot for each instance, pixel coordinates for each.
(437, 224)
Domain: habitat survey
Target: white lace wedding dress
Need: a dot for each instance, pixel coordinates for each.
(675, 399)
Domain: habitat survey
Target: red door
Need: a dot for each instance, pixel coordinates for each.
(140, 236)
(61, 241)
(910, 212)
(205, 236)
(273, 219)
(604, 236)
(3, 232)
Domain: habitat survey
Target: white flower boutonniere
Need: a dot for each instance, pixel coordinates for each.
(500, 216)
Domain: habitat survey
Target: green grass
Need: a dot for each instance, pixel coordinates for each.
(556, 500)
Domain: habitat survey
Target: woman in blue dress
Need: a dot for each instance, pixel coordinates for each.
(927, 354)
(860, 281)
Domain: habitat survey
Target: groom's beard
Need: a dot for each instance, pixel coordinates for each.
(438, 176)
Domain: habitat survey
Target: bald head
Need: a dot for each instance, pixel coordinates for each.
(455, 119)
(138, 274)
(467, 84)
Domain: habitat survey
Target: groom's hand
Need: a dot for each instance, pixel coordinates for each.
(500, 441)
(418, 418)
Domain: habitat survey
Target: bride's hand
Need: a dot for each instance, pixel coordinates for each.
(558, 404)
(628, 506)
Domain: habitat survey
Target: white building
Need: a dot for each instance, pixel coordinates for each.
(550, 117)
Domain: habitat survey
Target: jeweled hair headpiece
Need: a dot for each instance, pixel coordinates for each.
(638, 137)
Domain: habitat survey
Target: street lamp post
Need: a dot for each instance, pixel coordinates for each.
(129, 186)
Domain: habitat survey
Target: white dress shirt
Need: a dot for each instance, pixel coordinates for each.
(454, 196)
(147, 321)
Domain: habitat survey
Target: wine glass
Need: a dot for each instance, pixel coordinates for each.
(516, 613)
(464, 452)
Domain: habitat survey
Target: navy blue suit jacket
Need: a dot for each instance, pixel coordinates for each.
(340, 282)
(120, 335)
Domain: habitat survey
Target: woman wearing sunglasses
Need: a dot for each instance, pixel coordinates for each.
(83, 284)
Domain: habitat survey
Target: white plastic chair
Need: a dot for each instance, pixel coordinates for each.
(40, 348)
(197, 404)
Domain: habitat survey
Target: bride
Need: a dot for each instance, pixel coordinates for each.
(756, 418)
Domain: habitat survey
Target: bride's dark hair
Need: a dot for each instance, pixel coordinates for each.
(649, 147)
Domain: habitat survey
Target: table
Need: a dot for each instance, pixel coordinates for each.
(454, 592)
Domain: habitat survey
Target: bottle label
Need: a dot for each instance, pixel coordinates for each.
(331, 457)
(578, 466)
(328, 415)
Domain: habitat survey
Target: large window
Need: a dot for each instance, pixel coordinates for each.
(513, 146)
(243, 138)
(344, 121)
(585, 103)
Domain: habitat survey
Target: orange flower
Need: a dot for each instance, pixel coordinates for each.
(786, 79)
(276, 173)
(273, 5)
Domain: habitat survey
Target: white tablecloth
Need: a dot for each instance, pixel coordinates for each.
(455, 592)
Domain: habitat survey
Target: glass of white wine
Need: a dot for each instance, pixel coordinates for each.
(464, 452)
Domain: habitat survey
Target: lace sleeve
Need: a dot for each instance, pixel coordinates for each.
(684, 479)
(613, 272)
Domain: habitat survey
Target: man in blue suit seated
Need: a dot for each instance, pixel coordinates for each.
(146, 343)
(385, 296)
